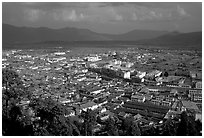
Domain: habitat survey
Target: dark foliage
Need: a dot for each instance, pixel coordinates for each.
(166, 74)
(187, 126)
(169, 128)
(89, 120)
(52, 120)
(111, 127)
(130, 128)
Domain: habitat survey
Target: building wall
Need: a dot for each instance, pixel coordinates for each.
(195, 95)
(127, 75)
(198, 116)
(199, 85)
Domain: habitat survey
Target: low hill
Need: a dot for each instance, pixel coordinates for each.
(176, 40)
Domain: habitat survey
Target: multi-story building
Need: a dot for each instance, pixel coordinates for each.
(169, 99)
(138, 98)
(160, 97)
(199, 85)
(197, 97)
(195, 94)
(166, 103)
(156, 102)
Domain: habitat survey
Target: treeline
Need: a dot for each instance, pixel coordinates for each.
(46, 117)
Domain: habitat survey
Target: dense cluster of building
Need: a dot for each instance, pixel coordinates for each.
(109, 83)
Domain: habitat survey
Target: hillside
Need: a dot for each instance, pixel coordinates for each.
(136, 35)
(188, 40)
(12, 34)
(21, 37)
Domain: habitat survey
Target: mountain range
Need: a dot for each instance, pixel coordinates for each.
(17, 35)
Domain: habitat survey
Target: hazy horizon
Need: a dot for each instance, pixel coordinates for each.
(110, 18)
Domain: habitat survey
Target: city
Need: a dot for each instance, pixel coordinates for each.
(101, 68)
(115, 84)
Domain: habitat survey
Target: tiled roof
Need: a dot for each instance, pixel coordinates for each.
(88, 104)
(190, 105)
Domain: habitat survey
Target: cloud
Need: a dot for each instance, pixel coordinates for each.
(181, 11)
(62, 5)
(150, 13)
(99, 17)
(72, 16)
(134, 17)
(33, 14)
(67, 15)
(116, 16)
(104, 12)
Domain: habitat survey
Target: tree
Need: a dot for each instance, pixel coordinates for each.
(111, 127)
(169, 128)
(42, 117)
(16, 124)
(89, 118)
(166, 74)
(13, 92)
(130, 127)
(52, 120)
(150, 131)
(187, 126)
(198, 126)
(12, 89)
(135, 131)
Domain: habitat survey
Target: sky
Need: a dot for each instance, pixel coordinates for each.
(106, 17)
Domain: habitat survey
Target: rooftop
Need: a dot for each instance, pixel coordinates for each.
(88, 104)
(190, 105)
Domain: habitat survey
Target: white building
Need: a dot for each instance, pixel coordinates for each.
(89, 105)
(59, 53)
(123, 74)
(127, 75)
(97, 91)
(127, 64)
(93, 58)
(155, 73)
(140, 74)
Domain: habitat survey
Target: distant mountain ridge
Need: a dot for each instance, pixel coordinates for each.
(137, 35)
(17, 35)
(13, 34)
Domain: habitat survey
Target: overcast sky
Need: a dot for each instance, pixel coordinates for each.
(106, 17)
